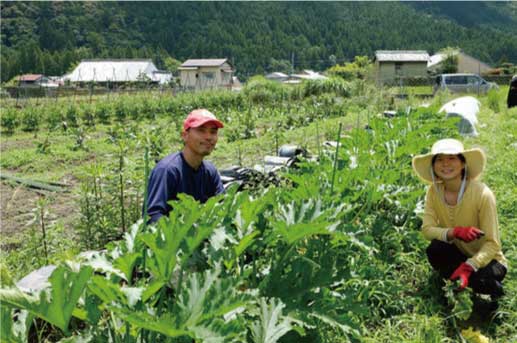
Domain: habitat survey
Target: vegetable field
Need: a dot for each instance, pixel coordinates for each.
(333, 255)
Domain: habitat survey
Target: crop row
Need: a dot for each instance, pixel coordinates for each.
(149, 106)
(324, 258)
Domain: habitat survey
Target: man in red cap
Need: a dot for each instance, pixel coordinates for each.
(185, 171)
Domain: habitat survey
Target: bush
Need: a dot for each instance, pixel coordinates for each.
(347, 72)
(102, 112)
(331, 85)
(71, 116)
(260, 90)
(493, 100)
(54, 118)
(88, 115)
(358, 69)
(9, 120)
(120, 111)
(30, 120)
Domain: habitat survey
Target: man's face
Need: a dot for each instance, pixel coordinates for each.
(448, 167)
(201, 140)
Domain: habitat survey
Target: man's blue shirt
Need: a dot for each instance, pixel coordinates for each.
(173, 175)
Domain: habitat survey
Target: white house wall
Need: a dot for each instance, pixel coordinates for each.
(386, 71)
(219, 79)
(468, 64)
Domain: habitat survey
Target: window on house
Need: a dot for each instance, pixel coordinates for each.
(209, 75)
(226, 77)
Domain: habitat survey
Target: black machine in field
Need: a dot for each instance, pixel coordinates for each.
(266, 173)
(512, 93)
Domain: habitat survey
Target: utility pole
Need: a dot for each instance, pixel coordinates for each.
(292, 64)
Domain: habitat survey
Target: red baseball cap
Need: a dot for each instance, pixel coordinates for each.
(199, 118)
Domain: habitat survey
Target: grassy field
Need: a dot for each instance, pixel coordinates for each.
(252, 133)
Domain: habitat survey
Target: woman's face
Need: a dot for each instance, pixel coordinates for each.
(448, 167)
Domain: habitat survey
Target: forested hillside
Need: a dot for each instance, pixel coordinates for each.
(51, 37)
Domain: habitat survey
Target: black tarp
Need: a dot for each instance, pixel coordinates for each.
(512, 93)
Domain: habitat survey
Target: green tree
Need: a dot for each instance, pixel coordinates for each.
(283, 66)
(171, 64)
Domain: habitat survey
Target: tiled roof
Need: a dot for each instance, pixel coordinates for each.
(204, 62)
(30, 77)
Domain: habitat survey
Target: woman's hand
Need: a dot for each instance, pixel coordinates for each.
(463, 272)
(467, 233)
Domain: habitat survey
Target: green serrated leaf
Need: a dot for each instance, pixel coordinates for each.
(165, 242)
(106, 290)
(271, 325)
(110, 292)
(85, 338)
(334, 323)
(219, 331)
(100, 263)
(14, 331)
(164, 325)
(152, 289)
(56, 304)
(126, 263)
(295, 232)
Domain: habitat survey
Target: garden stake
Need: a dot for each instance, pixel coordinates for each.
(239, 160)
(276, 142)
(335, 158)
(146, 184)
(88, 219)
(121, 180)
(318, 141)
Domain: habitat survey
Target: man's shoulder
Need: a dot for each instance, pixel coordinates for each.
(209, 167)
(170, 162)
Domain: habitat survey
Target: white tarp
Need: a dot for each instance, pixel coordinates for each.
(116, 71)
(466, 108)
(36, 280)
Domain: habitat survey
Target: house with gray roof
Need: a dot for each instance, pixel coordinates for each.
(277, 76)
(392, 65)
(34, 80)
(465, 63)
(206, 73)
(117, 71)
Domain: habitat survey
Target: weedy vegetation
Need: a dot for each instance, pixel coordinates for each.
(333, 254)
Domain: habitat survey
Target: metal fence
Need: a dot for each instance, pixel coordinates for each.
(502, 80)
(24, 96)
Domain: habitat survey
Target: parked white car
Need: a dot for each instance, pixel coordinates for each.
(463, 83)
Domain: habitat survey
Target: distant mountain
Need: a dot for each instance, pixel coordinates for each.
(51, 37)
(474, 14)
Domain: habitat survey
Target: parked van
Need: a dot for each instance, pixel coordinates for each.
(463, 83)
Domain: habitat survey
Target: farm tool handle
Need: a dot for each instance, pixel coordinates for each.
(335, 158)
(38, 185)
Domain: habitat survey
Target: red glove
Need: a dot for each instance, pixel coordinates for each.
(462, 272)
(467, 234)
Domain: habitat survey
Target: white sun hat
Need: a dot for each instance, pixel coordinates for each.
(475, 159)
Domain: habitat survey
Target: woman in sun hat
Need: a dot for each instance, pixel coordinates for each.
(460, 218)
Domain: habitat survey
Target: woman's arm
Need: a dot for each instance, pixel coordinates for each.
(430, 226)
(488, 223)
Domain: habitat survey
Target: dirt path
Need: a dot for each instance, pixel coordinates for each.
(16, 209)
